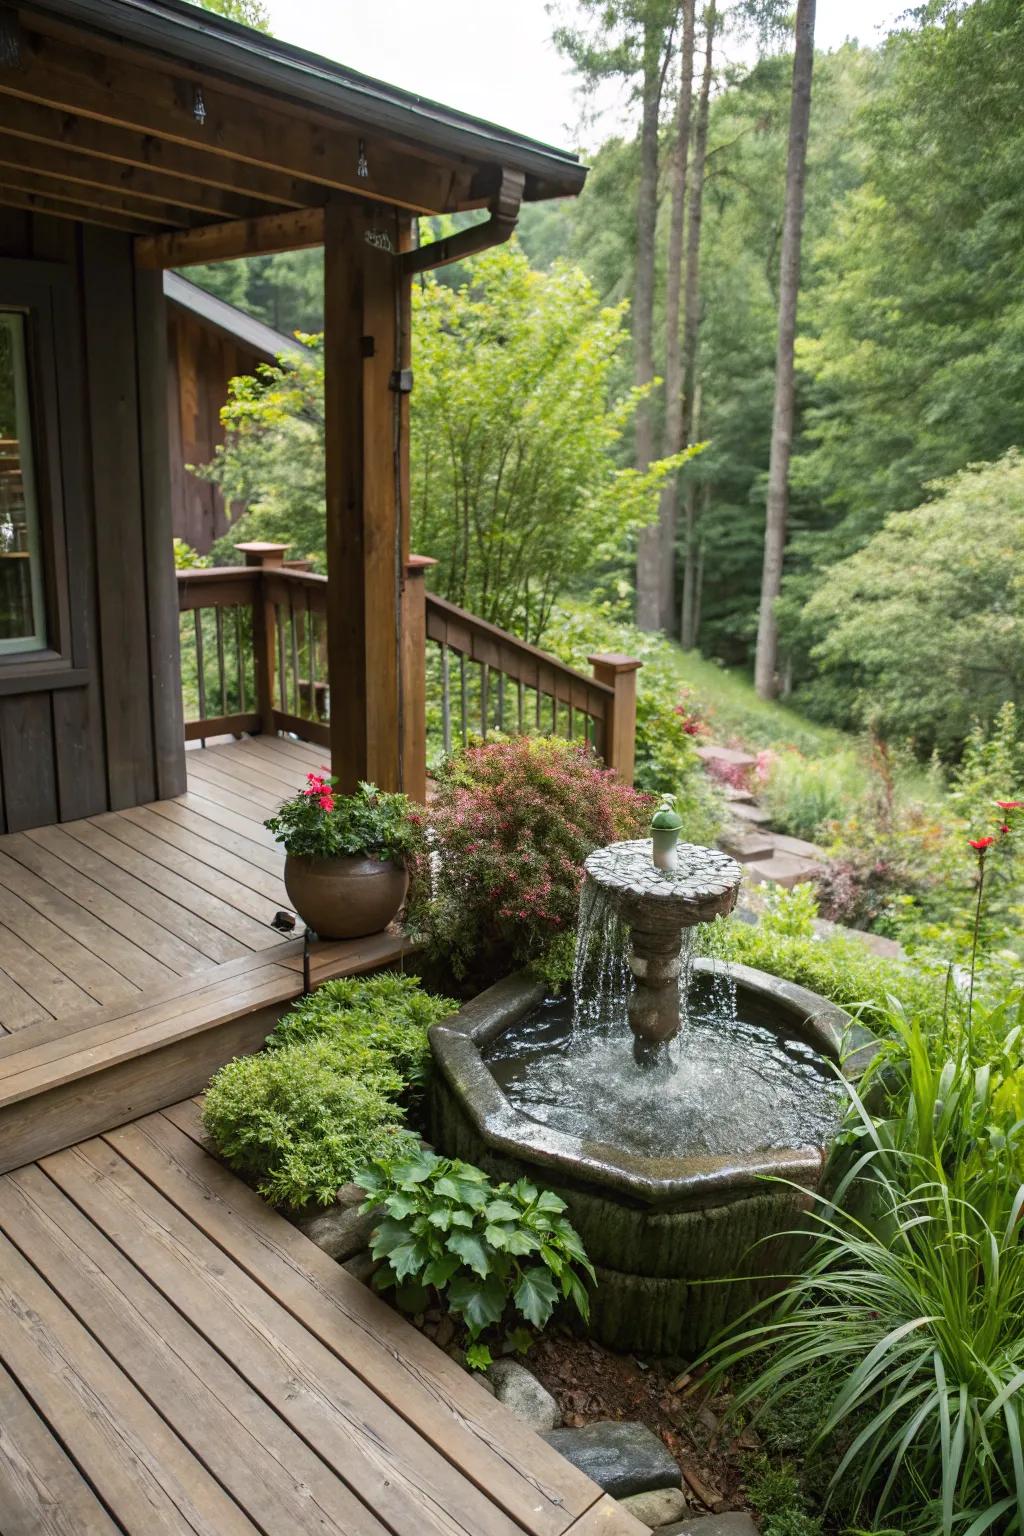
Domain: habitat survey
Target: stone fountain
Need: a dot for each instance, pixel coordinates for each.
(681, 1109)
(658, 906)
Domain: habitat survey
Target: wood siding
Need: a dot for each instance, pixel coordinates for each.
(201, 363)
(110, 735)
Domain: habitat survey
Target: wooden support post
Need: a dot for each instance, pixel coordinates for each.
(414, 676)
(268, 557)
(366, 342)
(619, 672)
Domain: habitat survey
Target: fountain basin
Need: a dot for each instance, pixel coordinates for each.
(682, 1243)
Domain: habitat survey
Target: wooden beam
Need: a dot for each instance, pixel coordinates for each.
(223, 180)
(366, 298)
(203, 112)
(71, 169)
(98, 199)
(273, 232)
(59, 208)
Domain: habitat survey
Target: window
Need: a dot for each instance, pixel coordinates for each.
(22, 615)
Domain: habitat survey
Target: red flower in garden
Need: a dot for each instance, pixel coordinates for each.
(1010, 805)
(1004, 829)
(326, 801)
(981, 843)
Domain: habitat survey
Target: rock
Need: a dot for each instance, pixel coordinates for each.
(622, 1459)
(340, 1230)
(745, 844)
(798, 846)
(363, 1266)
(875, 943)
(657, 1508)
(783, 869)
(731, 757)
(712, 1525)
(751, 813)
(524, 1395)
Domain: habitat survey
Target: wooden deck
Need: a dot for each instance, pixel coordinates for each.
(136, 952)
(177, 1358)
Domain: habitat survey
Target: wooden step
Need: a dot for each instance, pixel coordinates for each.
(65, 1079)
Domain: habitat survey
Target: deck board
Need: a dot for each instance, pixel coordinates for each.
(176, 1357)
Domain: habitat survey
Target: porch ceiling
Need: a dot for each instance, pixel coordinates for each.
(155, 117)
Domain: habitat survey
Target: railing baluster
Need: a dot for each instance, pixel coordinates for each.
(311, 657)
(218, 624)
(446, 700)
(519, 705)
(485, 697)
(572, 721)
(537, 703)
(554, 710)
(240, 659)
(462, 690)
(293, 625)
(200, 663)
(501, 701)
(282, 683)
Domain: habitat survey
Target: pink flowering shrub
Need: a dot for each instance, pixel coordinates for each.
(509, 829)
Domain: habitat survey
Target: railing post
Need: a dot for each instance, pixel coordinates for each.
(414, 678)
(619, 672)
(268, 557)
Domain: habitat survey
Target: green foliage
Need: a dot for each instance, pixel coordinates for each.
(328, 1093)
(369, 1020)
(186, 558)
(804, 793)
(253, 13)
(775, 1493)
(907, 1315)
(272, 458)
(789, 914)
(666, 751)
(922, 630)
(318, 823)
(516, 487)
(297, 1124)
(509, 828)
(499, 1254)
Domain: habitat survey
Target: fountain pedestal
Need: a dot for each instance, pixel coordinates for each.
(657, 908)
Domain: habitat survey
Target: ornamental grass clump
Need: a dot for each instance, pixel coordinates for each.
(509, 829)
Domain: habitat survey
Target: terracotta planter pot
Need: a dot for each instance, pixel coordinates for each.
(345, 898)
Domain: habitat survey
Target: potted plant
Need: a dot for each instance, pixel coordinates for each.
(345, 869)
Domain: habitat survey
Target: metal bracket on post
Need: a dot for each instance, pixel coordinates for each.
(400, 381)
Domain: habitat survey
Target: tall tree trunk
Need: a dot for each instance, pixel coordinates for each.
(688, 624)
(777, 507)
(673, 437)
(695, 218)
(647, 551)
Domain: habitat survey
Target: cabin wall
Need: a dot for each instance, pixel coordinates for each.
(105, 732)
(202, 362)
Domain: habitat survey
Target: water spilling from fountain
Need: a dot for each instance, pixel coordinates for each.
(643, 1056)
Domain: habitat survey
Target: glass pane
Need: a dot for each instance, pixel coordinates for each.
(22, 626)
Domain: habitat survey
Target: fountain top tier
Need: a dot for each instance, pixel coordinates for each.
(703, 886)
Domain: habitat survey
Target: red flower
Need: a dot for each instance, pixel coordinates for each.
(326, 800)
(981, 843)
(1004, 829)
(1010, 805)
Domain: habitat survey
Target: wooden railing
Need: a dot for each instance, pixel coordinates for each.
(254, 658)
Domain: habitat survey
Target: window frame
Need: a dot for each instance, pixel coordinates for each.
(41, 291)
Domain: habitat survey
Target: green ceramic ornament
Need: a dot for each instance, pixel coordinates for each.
(666, 825)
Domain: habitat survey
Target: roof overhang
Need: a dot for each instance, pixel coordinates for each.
(157, 117)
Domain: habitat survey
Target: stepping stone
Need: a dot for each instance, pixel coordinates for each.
(744, 844)
(737, 796)
(731, 756)
(622, 1459)
(783, 869)
(798, 845)
(751, 813)
(874, 943)
(658, 1508)
(712, 1525)
(524, 1395)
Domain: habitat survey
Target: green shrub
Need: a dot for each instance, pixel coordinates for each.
(495, 1252)
(510, 826)
(803, 794)
(321, 824)
(369, 1020)
(775, 1493)
(297, 1125)
(331, 1089)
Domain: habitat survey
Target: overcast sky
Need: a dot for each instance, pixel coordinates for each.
(494, 58)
